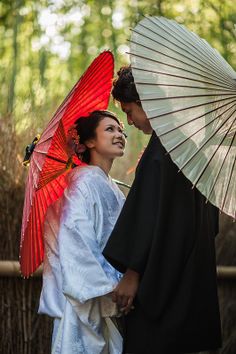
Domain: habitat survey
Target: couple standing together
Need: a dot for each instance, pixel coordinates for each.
(135, 276)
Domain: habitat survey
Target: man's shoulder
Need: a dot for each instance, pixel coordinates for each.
(151, 152)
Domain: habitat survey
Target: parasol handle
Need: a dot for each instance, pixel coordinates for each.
(29, 150)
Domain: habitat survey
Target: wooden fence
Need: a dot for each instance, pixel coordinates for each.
(23, 331)
(12, 269)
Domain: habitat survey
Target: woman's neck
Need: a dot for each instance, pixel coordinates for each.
(104, 164)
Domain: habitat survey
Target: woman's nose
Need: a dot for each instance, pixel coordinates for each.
(119, 134)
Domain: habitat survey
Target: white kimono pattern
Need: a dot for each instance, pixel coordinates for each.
(77, 279)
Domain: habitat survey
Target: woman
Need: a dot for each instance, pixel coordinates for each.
(77, 280)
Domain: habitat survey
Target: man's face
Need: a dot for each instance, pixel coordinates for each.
(136, 116)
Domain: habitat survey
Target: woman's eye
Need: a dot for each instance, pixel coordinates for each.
(123, 133)
(110, 129)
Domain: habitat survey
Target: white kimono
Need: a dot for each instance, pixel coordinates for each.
(77, 279)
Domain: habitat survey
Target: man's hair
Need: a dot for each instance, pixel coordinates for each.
(124, 89)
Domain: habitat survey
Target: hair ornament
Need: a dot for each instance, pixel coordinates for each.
(74, 141)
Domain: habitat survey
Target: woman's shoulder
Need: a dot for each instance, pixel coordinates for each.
(80, 172)
(86, 177)
(91, 184)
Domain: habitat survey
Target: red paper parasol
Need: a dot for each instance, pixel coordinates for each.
(50, 160)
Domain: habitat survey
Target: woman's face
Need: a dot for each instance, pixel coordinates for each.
(109, 141)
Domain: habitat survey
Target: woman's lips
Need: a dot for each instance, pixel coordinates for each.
(122, 145)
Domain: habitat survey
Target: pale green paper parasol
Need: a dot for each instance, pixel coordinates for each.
(188, 92)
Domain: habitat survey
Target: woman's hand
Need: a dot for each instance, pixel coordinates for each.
(126, 290)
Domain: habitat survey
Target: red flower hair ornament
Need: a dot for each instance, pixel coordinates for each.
(73, 141)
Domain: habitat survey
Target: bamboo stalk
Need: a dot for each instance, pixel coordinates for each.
(12, 269)
(29, 311)
(24, 314)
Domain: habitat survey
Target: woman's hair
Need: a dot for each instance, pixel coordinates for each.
(86, 129)
(124, 89)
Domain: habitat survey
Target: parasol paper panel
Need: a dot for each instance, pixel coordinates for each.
(188, 92)
(51, 160)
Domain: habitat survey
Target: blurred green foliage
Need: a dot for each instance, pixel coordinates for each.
(46, 45)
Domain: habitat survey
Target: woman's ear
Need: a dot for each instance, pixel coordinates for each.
(90, 143)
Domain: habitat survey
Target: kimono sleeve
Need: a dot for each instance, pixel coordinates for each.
(82, 262)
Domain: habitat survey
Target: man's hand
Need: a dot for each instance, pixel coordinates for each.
(126, 290)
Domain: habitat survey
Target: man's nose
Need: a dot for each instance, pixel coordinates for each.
(129, 120)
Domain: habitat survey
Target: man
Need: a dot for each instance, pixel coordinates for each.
(163, 242)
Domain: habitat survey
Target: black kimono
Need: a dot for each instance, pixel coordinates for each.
(166, 233)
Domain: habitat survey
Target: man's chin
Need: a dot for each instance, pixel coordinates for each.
(147, 131)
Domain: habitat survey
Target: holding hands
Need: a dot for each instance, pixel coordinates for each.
(125, 292)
